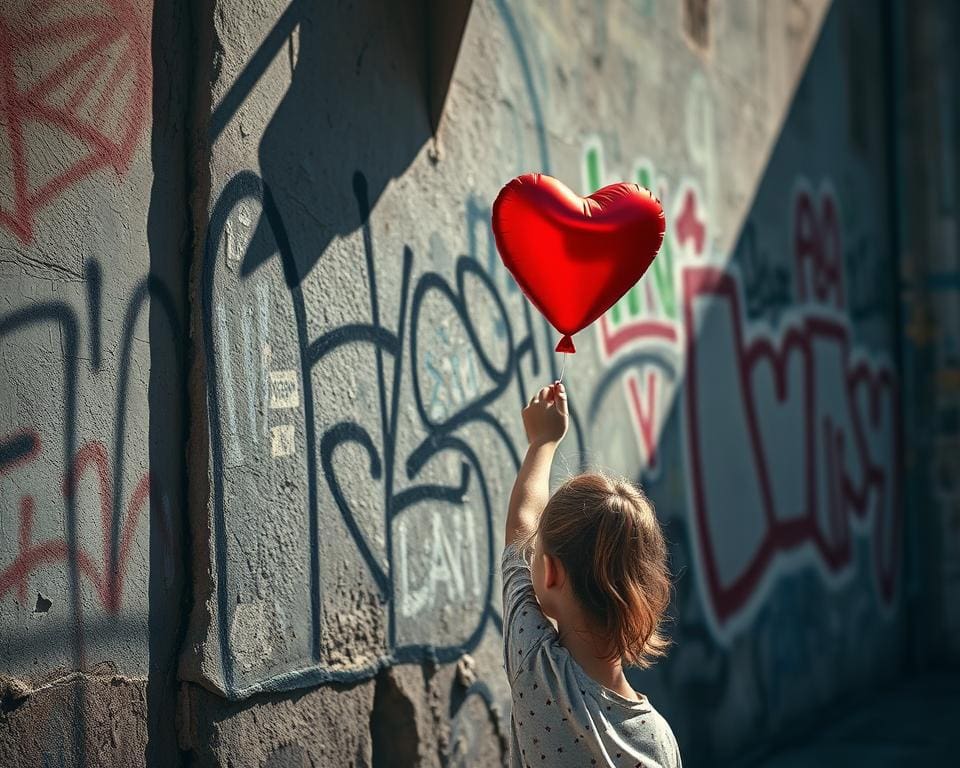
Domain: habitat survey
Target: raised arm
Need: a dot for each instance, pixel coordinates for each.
(545, 421)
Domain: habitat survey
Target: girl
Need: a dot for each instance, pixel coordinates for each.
(585, 586)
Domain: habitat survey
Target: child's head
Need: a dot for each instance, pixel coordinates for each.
(599, 545)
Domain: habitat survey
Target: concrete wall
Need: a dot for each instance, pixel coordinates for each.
(358, 357)
(366, 354)
(92, 233)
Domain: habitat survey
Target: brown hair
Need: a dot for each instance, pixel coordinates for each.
(607, 536)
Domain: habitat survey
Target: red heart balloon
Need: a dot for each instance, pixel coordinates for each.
(573, 256)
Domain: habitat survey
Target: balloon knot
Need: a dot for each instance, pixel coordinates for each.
(566, 345)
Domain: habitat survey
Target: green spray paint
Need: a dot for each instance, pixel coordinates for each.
(633, 303)
(592, 160)
(663, 264)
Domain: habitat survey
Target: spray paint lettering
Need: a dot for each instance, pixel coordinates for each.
(746, 384)
(90, 459)
(798, 496)
(435, 546)
(58, 476)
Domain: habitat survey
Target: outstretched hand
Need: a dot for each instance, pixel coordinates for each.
(546, 417)
(545, 420)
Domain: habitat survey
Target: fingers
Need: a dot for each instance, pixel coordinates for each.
(555, 391)
(560, 396)
(540, 397)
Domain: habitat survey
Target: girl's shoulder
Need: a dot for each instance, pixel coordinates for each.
(666, 738)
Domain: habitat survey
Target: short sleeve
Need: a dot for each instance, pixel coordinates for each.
(673, 751)
(525, 628)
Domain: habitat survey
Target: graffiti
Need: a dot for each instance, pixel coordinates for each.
(757, 358)
(647, 408)
(787, 429)
(108, 582)
(766, 285)
(426, 385)
(375, 424)
(82, 76)
(818, 247)
(454, 373)
(839, 470)
(690, 225)
(87, 469)
(451, 559)
(647, 318)
(362, 430)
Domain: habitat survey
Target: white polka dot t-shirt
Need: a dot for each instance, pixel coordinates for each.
(561, 717)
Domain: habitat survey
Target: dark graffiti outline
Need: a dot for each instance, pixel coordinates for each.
(383, 465)
(117, 526)
(526, 347)
(783, 536)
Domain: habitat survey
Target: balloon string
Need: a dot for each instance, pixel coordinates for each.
(563, 367)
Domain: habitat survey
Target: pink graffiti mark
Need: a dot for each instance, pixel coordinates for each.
(107, 583)
(83, 77)
(690, 226)
(818, 249)
(617, 339)
(645, 413)
(845, 495)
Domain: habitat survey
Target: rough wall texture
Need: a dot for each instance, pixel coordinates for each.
(92, 265)
(366, 354)
(358, 357)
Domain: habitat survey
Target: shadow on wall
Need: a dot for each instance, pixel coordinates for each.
(168, 236)
(75, 453)
(774, 454)
(794, 342)
(343, 111)
(256, 295)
